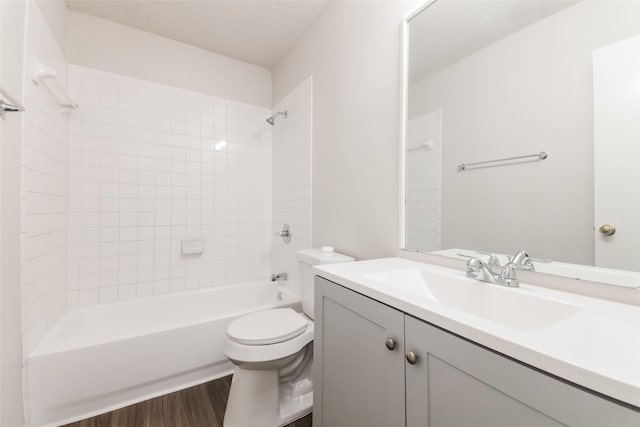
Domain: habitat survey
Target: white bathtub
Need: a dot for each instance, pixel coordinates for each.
(98, 358)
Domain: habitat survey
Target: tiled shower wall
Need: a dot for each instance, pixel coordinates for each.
(151, 165)
(292, 179)
(44, 188)
(423, 182)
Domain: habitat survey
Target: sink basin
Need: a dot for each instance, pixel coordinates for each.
(518, 308)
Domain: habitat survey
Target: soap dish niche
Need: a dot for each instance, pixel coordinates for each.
(192, 246)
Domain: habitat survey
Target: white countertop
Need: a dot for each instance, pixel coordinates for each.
(598, 347)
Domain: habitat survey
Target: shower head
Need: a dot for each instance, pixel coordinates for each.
(272, 120)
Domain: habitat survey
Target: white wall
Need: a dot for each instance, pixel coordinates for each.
(353, 52)
(144, 173)
(291, 164)
(529, 92)
(12, 26)
(54, 13)
(101, 44)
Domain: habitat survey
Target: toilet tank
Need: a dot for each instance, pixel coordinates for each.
(307, 258)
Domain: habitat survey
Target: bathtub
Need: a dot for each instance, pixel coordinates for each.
(98, 358)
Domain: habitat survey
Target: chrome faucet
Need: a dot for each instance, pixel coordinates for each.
(493, 260)
(522, 259)
(278, 276)
(525, 262)
(482, 271)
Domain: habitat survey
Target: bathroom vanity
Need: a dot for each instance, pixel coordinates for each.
(403, 343)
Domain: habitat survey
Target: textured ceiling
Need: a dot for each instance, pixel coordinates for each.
(449, 30)
(258, 32)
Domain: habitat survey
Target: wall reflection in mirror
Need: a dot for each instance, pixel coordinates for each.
(491, 80)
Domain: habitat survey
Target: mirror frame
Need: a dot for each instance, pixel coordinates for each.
(404, 107)
(404, 111)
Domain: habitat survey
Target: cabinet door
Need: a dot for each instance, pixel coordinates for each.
(358, 381)
(456, 383)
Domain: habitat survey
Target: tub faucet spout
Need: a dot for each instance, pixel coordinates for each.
(278, 276)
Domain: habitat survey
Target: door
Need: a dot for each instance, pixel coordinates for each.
(358, 360)
(616, 102)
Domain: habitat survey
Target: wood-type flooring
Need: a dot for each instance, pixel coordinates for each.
(199, 406)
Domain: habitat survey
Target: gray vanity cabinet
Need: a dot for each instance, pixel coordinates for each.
(358, 381)
(451, 382)
(457, 383)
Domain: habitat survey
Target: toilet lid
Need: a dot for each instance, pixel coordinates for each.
(267, 327)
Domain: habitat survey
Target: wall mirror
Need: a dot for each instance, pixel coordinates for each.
(521, 130)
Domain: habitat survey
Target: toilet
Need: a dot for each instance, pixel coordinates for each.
(272, 351)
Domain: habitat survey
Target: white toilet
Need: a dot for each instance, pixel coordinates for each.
(273, 351)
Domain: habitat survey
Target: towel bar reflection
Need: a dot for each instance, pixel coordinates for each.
(538, 156)
(12, 106)
(421, 147)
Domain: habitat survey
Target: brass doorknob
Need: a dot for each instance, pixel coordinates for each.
(607, 230)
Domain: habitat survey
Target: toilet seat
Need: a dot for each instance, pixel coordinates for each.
(296, 339)
(267, 327)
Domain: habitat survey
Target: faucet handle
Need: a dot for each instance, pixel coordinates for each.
(523, 259)
(509, 270)
(493, 259)
(508, 276)
(460, 254)
(475, 266)
(476, 263)
(541, 260)
(520, 257)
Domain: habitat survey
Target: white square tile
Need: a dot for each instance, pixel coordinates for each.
(126, 292)
(146, 135)
(108, 294)
(178, 127)
(163, 136)
(177, 284)
(144, 289)
(127, 277)
(178, 140)
(72, 298)
(178, 99)
(88, 296)
(161, 287)
(146, 218)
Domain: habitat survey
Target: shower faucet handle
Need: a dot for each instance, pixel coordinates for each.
(285, 233)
